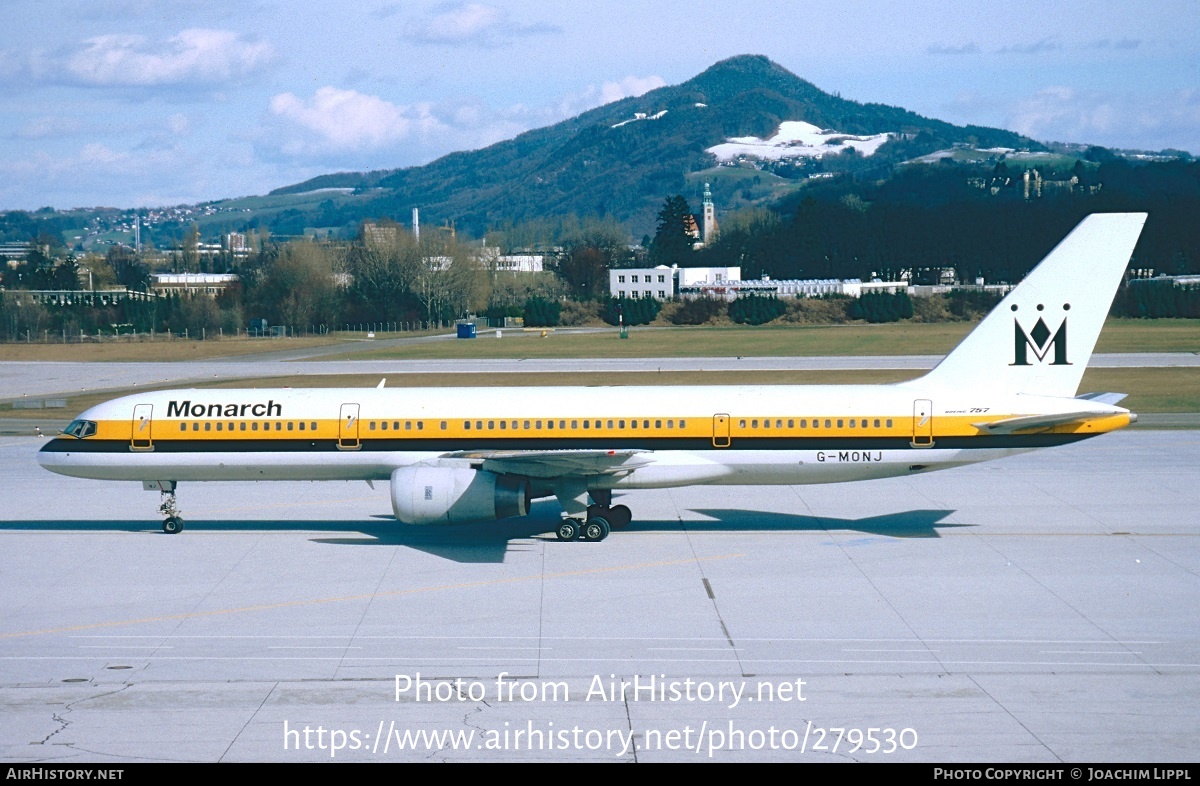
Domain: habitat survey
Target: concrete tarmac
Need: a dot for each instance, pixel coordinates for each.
(33, 379)
(1037, 609)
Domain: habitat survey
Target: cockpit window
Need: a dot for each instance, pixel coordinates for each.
(81, 428)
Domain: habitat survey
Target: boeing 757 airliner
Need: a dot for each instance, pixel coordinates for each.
(458, 455)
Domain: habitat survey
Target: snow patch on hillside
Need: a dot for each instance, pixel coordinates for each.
(640, 116)
(796, 139)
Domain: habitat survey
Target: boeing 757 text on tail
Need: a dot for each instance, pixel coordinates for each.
(459, 455)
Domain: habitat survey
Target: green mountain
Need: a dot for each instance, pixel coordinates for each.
(599, 165)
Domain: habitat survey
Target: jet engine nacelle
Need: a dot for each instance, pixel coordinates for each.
(440, 495)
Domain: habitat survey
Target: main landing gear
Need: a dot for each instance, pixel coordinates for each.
(173, 524)
(601, 520)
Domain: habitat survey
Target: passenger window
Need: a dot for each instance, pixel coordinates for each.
(467, 425)
(670, 424)
(620, 424)
(646, 424)
(503, 425)
(741, 424)
(254, 426)
(889, 422)
(491, 425)
(550, 424)
(803, 423)
(444, 424)
(633, 424)
(767, 423)
(537, 424)
(370, 426)
(828, 423)
(839, 422)
(851, 423)
(658, 424)
(208, 426)
(302, 425)
(683, 424)
(278, 426)
(395, 425)
(290, 424)
(586, 423)
(563, 424)
(779, 424)
(218, 426)
(314, 425)
(876, 422)
(183, 427)
(610, 424)
(792, 423)
(754, 423)
(420, 425)
(383, 425)
(597, 424)
(574, 424)
(195, 427)
(478, 425)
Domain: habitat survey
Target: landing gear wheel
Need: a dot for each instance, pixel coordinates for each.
(173, 525)
(619, 516)
(596, 528)
(567, 530)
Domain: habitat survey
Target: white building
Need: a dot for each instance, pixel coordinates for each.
(664, 283)
(211, 284)
(511, 263)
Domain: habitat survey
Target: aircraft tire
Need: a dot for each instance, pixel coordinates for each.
(173, 525)
(567, 530)
(619, 516)
(597, 528)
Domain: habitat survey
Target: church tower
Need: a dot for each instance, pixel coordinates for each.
(710, 218)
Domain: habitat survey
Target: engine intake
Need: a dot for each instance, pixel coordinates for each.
(440, 495)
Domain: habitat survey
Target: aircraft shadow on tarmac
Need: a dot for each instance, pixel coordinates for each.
(489, 542)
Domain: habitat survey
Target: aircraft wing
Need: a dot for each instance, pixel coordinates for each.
(556, 463)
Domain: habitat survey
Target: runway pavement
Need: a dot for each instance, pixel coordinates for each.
(33, 379)
(1037, 609)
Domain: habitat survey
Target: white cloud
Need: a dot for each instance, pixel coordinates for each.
(970, 48)
(49, 128)
(1116, 120)
(346, 120)
(470, 23)
(1038, 47)
(194, 56)
(630, 86)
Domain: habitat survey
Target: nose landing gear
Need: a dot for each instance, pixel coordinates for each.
(173, 524)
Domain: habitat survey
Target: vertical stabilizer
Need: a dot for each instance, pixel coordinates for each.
(1039, 339)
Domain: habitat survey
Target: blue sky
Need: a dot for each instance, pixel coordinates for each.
(144, 102)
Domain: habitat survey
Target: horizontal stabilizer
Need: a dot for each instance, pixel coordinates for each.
(1104, 398)
(1039, 422)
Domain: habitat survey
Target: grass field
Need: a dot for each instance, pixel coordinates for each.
(905, 338)
(172, 350)
(1149, 389)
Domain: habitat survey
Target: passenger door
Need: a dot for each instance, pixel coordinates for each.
(720, 438)
(922, 433)
(348, 428)
(140, 438)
